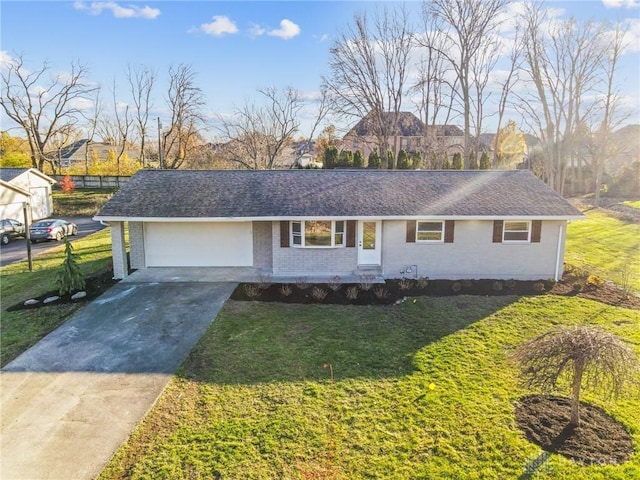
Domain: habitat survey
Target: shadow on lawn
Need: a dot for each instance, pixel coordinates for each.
(261, 342)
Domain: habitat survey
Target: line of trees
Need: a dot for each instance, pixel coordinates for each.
(450, 64)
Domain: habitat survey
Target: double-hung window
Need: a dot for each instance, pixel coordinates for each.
(516, 231)
(318, 233)
(430, 231)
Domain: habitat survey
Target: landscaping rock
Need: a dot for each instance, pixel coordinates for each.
(47, 300)
(32, 301)
(78, 295)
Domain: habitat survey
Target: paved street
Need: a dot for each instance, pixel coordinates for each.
(16, 251)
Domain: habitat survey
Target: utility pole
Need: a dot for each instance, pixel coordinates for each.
(160, 144)
(26, 207)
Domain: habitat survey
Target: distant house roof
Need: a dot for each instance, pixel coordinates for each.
(8, 174)
(225, 194)
(408, 125)
(75, 152)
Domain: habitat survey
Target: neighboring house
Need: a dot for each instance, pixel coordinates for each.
(83, 151)
(19, 185)
(348, 223)
(413, 135)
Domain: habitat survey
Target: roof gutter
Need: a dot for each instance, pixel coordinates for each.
(120, 218)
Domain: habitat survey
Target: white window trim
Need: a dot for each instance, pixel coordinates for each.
(333, 234)
(504, 231)
(441, 222)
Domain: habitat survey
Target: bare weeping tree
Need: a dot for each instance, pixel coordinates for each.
(185, 101)
(369, 65)
(580, 356)
(141, 80)
(259, 134)
(44, 106)
(467, 27)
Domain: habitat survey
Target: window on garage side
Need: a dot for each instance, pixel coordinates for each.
(516, 231)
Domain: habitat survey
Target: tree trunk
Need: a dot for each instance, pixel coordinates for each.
(578, 370)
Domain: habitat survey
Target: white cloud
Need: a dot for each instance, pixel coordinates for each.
(287, 30)
(118, 11)
(256, 30)
(6, 60)
(221, 25)
(632, 35)
(621, 3)
(321, 38)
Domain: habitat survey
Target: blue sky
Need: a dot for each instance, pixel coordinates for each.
(235, 47)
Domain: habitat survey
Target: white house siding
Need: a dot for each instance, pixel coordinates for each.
(198, 244)
(11, 204)
(292, 261)
(262, 245)
(472, 255)
(136, 245)
(40, 189)
(118, 247)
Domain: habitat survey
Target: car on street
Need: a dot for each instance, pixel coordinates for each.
(52, 229)
(10, 229)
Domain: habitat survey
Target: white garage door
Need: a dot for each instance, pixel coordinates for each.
(198, 244)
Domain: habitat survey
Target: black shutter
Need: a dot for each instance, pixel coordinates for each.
(284, 233)
(351, 233)
(449, 226)
(536, 231)
(411, 231)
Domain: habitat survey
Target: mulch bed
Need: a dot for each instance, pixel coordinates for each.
(95, 286)
(574, 283)
(599, 439)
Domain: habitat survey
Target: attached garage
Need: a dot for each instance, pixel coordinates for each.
(198, 244)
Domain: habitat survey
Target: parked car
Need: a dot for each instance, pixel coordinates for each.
(52, 229)
(10, 229)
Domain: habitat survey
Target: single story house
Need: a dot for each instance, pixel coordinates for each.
(20, 185)
(327, 223)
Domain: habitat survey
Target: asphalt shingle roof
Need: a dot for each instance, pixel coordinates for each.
(334, 193)
(7, 174)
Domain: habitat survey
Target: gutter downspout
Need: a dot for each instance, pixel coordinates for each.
(559, 250)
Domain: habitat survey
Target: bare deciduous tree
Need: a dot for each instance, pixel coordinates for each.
(579, 355)
(92, 127)
(44, 108)
(185, 101)
(369, 70)
(141, 81)
(467, 27)
(258, 135)
(562, 63)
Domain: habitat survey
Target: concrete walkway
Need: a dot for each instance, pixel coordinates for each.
(71, 400)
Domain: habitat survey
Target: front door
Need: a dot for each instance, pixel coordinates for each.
(369, 240)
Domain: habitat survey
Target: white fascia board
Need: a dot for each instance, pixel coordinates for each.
(108, 218)
(15, 188)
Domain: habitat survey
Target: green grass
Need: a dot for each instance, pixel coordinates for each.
(632, 203)
(21, 329)
(255, 401)
(605, 246)
(82, 202)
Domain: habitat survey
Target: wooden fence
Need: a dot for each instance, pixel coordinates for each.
(95, 181)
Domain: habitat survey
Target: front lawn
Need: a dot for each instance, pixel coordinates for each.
(632, 203)
(605, 246)
(21, 329)
(419, 390)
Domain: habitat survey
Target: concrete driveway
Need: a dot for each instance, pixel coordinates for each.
(71, 400)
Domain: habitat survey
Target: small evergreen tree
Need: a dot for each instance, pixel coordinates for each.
(390, 160)
(416, 160)
(457, 161)
(374, 160)
(403, 160)
(70, 278)
(446, 164)
(485, 162)
(473, 161)
(346, 159)
(358, 159)
(330, 157)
